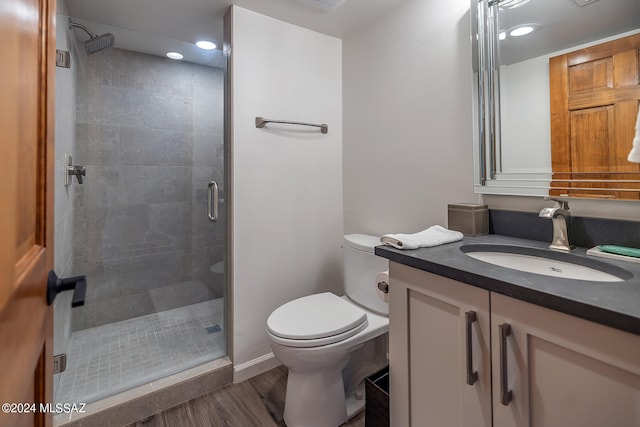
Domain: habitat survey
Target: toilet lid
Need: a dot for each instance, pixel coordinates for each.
(315, 316)
(362, 242)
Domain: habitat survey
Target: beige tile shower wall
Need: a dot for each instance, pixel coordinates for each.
(287, 183)
(407, 118)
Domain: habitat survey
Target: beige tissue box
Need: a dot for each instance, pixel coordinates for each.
(470, 219)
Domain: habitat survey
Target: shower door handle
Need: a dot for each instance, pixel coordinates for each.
(212, 199)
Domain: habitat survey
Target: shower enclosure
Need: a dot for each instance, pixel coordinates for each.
(149, 132)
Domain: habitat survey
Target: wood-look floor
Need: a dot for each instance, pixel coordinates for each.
(258, 402)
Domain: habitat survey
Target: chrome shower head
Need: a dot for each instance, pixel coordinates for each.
(95, 43)
(98, 43)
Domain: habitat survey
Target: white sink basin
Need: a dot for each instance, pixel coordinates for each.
(547, 263)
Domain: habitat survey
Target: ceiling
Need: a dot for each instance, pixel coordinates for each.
(158, 26)
(148, 25)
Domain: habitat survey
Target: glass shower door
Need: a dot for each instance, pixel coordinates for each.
(149, 132)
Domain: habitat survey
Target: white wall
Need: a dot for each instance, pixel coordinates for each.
(407, 118)
(525, 111)
(287, 181)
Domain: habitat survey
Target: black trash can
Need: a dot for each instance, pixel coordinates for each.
(376, 411)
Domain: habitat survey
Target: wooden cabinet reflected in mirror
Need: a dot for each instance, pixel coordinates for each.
(595, 93)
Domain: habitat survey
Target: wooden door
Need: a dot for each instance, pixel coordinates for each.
(594, 105)
(26, 212)
(562, 370)
(428, 351)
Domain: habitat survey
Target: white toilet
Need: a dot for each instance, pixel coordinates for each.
(330, 343)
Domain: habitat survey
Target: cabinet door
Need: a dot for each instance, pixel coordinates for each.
(428, 351)
(562, 370)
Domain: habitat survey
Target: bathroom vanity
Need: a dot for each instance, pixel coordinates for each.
(475, 344)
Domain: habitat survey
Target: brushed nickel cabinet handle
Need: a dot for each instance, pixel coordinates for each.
(506, 395)
(470, 317)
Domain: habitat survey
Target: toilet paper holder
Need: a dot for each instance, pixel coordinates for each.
(383, 287)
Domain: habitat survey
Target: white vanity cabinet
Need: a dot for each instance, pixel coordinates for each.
(428, 330)
(561, 370)
(548, 369)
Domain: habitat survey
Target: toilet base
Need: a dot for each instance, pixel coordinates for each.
(306, 407)
(354, 406)
(323, 413)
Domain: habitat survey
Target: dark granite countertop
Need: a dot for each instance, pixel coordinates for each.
(614, 304)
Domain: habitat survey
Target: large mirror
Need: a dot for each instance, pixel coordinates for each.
(519, 148)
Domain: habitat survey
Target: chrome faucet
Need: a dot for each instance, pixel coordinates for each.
(77, 171)
(72, 170)
(558, 214)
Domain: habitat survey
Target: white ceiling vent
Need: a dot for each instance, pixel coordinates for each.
(326, 5)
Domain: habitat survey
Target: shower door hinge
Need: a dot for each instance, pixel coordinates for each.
(63, 58)
(59, 363)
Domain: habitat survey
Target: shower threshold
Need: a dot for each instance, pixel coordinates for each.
(149, 399)
(106, 362)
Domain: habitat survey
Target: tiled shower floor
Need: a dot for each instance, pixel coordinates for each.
(109, 359)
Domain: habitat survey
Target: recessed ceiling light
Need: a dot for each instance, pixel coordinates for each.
(206, 45)
(523, 30)
(174, 55)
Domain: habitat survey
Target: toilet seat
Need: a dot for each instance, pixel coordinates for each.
(315, 320)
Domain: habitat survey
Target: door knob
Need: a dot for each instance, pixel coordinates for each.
(55, 285)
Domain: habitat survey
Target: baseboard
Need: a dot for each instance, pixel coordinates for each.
(254, 367)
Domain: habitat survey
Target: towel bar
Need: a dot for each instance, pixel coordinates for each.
(261, 121)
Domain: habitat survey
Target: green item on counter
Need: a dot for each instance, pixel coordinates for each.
(620, 250)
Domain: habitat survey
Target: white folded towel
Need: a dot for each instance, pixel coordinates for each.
(432, 236)
(634, 155)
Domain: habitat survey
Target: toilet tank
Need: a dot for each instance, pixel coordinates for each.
(361, 266)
